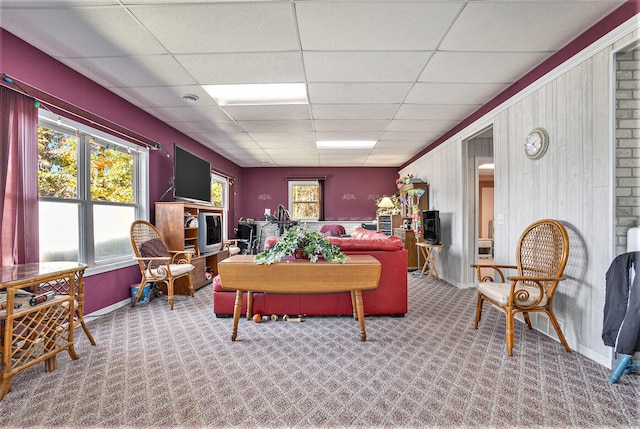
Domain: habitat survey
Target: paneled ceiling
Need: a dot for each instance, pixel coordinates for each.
(399, 72)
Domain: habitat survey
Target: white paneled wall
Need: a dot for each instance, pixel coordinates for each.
(573, 183)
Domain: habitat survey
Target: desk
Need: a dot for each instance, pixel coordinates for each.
(430, 253)
(33, 334)
(358, 273)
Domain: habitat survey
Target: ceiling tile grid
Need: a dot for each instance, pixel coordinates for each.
(402, 73)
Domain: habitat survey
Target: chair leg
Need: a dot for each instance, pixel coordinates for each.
(527, 319)
(556, 326)
(143, 283)
(170, 293)
(478, 310)
(191, 285)
(509, 331)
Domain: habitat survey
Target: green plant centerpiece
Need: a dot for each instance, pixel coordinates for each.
(301, 243)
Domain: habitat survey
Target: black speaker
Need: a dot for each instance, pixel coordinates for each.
(431, 226)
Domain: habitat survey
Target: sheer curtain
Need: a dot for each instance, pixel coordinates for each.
(18, 178)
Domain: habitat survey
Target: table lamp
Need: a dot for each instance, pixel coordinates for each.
(385, 204)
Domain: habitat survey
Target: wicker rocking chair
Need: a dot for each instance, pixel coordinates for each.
(157, 264)
(541, 256)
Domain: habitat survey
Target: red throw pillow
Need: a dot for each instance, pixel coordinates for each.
(154, 248)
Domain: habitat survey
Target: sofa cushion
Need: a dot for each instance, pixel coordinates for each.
(367, 233)
(350, 244)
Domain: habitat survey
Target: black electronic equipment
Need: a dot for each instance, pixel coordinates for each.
(191, 177)
(431, 226)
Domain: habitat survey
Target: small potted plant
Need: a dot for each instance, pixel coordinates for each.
(301, 243)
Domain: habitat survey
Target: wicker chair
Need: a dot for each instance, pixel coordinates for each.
(157, 264)
(541, 256)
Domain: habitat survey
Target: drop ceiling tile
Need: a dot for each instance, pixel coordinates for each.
(208, 126)
(235, 138)
(348, 135)
(454, 93)
(221, 27)
(265, 113)
(436, 111)
(400, 146)
(81, 32)
(421, 125)
(480, 66)
(255, 67)
(366, 93)
(147, 70)
(522, 26)
(284, 137)
(410, 135)
(287, 145)
(354, 111)
(276, 126)
(350, 125)
(164, 96)
(328, 26)
(189, 112)
(364, 66)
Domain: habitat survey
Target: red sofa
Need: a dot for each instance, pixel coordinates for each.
(390, 298)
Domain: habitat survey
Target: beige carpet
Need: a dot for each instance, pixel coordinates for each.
(158, 368)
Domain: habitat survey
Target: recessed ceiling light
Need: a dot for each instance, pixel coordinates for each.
(486, 166)
(191, 98)
(258, 94)
(345, 144)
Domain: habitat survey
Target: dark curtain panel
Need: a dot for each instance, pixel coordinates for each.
(321, 208)
(18, 178)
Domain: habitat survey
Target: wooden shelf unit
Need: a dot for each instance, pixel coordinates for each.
(423, 203)
(388, 222)
(408, 238)
(171, 222)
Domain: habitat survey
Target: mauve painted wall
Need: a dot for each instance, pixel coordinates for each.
(350, 193)
(24, 63)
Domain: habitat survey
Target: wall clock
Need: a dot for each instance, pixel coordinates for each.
(536, 143)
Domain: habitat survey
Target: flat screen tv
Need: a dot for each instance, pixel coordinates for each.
(209, 232)
(191, 177)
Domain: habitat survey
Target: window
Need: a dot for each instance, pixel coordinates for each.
(304, 200)
(219, 198)
(92, 186)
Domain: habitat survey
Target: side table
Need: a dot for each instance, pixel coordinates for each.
(37, 333)
(430, 253)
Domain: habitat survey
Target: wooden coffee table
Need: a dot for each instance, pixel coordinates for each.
(358, 273)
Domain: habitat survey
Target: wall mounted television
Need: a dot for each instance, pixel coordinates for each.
(191, 177)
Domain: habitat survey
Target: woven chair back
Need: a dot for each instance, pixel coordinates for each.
(142, 231)
(543, 251)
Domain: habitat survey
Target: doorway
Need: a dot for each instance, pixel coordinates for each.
(479, 211)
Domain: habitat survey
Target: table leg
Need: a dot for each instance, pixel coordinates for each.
(425, 255)
(432, 264)
(353, 305)
(236, 315)
(360, 308)
(249, 305)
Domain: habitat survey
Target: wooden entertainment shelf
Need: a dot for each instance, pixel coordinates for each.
(171, 222)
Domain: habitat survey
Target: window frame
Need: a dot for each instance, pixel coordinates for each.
(215, 177)
(83, 198)
(301, 182)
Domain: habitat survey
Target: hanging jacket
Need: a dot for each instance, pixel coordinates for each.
(621, 326)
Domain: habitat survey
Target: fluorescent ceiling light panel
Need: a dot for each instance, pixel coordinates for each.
(258, 94)
(345, 144)
(487, 166)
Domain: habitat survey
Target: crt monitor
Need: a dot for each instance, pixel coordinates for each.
(209, 232)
